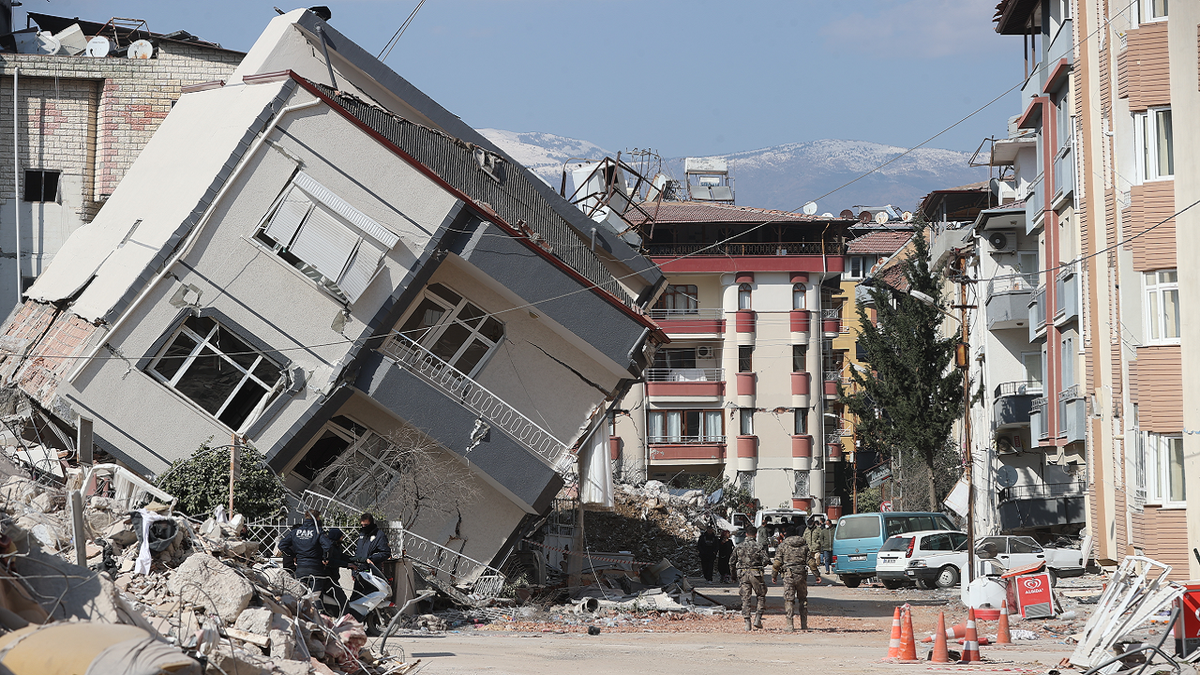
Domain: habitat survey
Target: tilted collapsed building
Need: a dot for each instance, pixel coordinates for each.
(317, 257)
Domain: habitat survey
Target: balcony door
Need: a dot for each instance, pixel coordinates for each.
(1033, 371)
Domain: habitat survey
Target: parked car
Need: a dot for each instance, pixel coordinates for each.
(891, 564)
(944, 570)
(857, 539)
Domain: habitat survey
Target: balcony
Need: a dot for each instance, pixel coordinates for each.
(1037, 314)
(1038, 421)
(1026, 507)
(831, 323)
(832, 379)
(1061, 47)
(1034, 205)
(747, 389)
(833, 445)
(707, 321)
(686, 384)
(485, 405)
(747, 453)
(801, 387)
(687, 449)
(1008, 300)
(802, 448)
(1014, 401)
(1072, 414)
(1032, 87)
(1064, 175)
(1067, 287)
(744, 320)
(800, 320)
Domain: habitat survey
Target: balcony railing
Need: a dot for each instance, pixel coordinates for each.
(831, 313)
(686, 440)
(1038, 424)
(1012, 283)
(789, 248)
(478, 399)
(834, 376)
(833, 437)
(685, 374)
(705, 313)
(1037, 311)
(1043, 490)
(1019, 388)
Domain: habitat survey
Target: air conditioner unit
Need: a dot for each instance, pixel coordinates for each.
(1002, 241)
(704, 352)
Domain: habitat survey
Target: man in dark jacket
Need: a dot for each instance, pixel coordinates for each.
(310, 548)
(707, 547)
(370, 552)
(333, 568)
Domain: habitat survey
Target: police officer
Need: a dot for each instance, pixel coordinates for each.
(791, 559)
(370, 552)
(333, 568)
(748, 560)
(310, 549)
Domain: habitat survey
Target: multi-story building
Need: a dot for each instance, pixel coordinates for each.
(747, 385)
(82, 121)
(1110, 95)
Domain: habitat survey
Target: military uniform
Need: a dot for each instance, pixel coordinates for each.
(749, 559)
(812, 537)
(792, 559)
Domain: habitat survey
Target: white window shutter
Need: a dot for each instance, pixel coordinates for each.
(325, 243)
(361, 270)
(288, 216)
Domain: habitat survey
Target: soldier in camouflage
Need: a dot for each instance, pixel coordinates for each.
(791, 558)
(749, 559)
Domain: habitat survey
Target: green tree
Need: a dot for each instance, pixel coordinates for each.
(201, 482)
(909, 395)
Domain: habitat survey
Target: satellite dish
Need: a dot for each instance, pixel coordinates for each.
(98, 47)
(847, 213)
(865, 216)
(810, 208)
(48, 44)
(140, 49)
(1006, 476)
(998, 241)
(827, 215)
(906, 216)
(881, 217)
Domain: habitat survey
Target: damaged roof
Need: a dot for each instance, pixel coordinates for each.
(56, 24)
(665, 213)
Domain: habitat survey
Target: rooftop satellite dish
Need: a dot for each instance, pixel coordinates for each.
(881, 217)
(48, 44)
(906, 216)
(847, 213)
(827, 215)
(1006, 476)
(865, 216)
(140, 49)
(810, 208)
(98, 47)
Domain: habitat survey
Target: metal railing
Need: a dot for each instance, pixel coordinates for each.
(478, 399)
(1038, 407)
(831, 313)
(1070, 393)
(686, 440)
(706, 313)
(833, 437)
(685, 374)
(789, 248)
(834, 376)
(1019, 388)
(1044, 490)
(1012, 283)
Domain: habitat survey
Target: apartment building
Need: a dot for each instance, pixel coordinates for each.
(1094, 157)
(82, 120)
(747, 387)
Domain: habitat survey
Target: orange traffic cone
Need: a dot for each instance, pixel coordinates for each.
(939, 643)
(894, 643)
(970, 653)
(955, 632)
(908, 642)
(1003, 636)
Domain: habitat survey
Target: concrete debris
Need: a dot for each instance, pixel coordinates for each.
(206, 591)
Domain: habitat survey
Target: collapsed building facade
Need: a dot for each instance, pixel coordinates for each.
(317, 259)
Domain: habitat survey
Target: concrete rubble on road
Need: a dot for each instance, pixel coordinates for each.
(207, 596)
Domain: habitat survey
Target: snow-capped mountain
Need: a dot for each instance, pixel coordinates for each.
(785, 176)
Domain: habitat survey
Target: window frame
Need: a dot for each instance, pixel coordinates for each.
(273, 391)
(435, 332)
(745, 421)
(800, 421)
(657, 420)
(41, 174)
(799, 301)
(1158, 454)
(674, 293)
(1146, 12)
(799, 358)
(1146, 155)
(745, 358)
(745, 296)
(1155, 318)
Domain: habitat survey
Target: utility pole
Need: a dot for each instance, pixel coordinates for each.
(962, 358)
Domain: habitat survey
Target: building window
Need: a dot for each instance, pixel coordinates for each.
(745, 481)
(798, 301)
(746, 421)
(800, 427)
(679, 299)
(1068, 361)
(41, 186)
(800, 485)
(1154, 141)
(799, 358)
(1162, 305)
(745, 359)
(324, 237)
(454, 329)
(1161, 459)
(218, 371)
(675, 358)
(856, 267)
(1152, 10)
(744, 296)
(686, 426)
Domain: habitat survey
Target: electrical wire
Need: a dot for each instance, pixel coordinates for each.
(391, 44)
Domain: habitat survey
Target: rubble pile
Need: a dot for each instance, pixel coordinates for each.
(651, 521)
(199, 589)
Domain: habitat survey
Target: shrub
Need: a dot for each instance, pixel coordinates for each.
(201, 483)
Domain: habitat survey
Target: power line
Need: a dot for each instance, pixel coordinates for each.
(395, 39)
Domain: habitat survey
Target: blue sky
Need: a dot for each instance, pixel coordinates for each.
(690, 77)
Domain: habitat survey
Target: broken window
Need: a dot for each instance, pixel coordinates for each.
(218, 371)
(326, 238)
(454, 329)
(41, 186)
